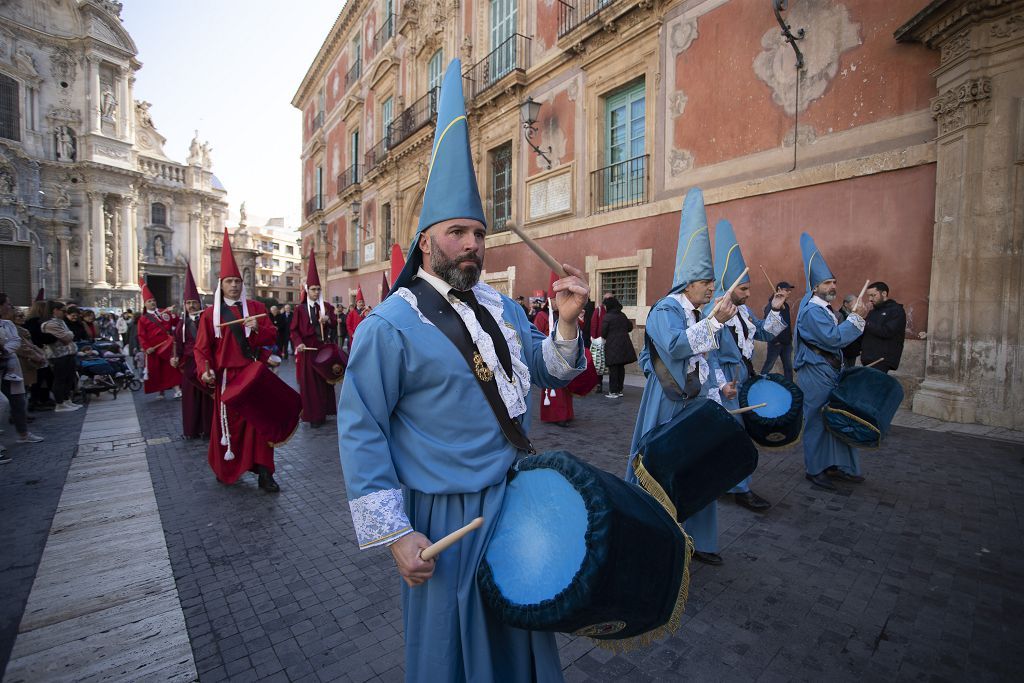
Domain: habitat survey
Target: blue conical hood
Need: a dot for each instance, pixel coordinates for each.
(693, 253)
(816, 270)
(451, 190)
(729, 261)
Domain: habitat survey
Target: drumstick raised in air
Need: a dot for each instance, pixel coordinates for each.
(770, 283)
(861, 295)
(451, 539)
(874, 363)
(243, 320)
(747, 409)
(538, 250)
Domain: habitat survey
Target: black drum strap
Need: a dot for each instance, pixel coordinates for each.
(746, 361)
(669, 385)
(227, 314)
(438, 310)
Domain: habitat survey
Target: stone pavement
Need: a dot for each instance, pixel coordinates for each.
(914, 574)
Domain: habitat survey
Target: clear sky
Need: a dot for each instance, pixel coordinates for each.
(229, 68)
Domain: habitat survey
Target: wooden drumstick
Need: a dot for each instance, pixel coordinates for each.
(311, 348)
(243, 320)
(728, 292)
(860, 296)
(538, 250)
(770, 283)
(874, 363)
(747, 409)
(432, 551)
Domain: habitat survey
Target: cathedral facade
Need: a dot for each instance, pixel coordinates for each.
(89, 200)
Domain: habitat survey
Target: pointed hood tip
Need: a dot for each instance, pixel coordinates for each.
(693, 251)
(816, 270)
(729, 261)
(191, 292)
(228, 266)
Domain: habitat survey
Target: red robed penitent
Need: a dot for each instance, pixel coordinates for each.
(196, 404)
(318, 399)
(156, 333)
(555, 404)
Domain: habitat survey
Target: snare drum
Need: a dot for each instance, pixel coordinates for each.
(581, 551)
(780, 423)
(330, 362)
(265, 401)
(861, 407)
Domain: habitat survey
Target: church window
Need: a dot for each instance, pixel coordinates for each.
(158, 213)
(10, 111)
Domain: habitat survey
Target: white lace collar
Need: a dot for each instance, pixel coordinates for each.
(818, 301)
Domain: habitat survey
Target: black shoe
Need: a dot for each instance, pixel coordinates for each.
(839, 474)
(821, 481)
(266, 481)
(563, 423)
(752, 501)
(714, 559)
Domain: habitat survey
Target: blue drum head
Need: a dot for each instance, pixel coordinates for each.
(539, 543)
(778, 398)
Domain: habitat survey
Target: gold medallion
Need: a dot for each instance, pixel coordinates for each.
(483, 372)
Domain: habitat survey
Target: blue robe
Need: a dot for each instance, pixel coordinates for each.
(816, 378)
(729, 357)
(677, 340)
(420, 449)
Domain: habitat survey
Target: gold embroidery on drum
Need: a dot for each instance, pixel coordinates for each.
(483, 373)
(599, 630)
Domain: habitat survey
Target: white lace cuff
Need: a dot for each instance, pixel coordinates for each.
(555, 353)
(379, 518)
(857, 321)
(701, 336)
(774, 324)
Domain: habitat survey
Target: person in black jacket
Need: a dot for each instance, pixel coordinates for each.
(884, 330)
(283, 322)
(618, 347)
(781, 345)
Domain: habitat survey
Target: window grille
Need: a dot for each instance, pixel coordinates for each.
(621, 284)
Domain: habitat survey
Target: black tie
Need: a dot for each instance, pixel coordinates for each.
(692, 387)
(696, 315)
(489, 326)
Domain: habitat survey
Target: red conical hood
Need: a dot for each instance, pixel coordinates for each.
(312, 276)
(146, 294)
(385, 287)
(191, 291)
(397, 261)
(359, 294)
(41, 294)
(228, 267)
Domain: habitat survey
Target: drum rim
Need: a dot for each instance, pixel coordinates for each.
(796, 409)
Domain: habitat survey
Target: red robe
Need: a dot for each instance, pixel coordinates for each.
(352, 321)
(224, 356)
(157, 333)
(196, 404)
(318, 399)
(555, 404)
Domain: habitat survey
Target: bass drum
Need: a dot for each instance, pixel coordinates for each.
(780, 423)
(265, 401)
(861, 407)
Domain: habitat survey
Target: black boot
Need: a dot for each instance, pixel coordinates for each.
(266, 480)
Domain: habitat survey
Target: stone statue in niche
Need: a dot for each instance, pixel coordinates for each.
(142, 114)
(243, 216)
(109, 270)
(63, 199)
(247, 277)
(108, 222)
(159, 250)
(49, 260)
(6, 181)
(67, 144)
(108, 102)
(195, 153)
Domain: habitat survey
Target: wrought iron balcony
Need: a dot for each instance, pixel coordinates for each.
(572, 13)
(376, 154)
(353, 74)
(512, 55)
(385, 33)
(314, 204)
(350, 260)
(626, 183)
(413, 118)
(349, 177)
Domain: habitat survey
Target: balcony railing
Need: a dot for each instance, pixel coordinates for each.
(348, 178)
(572, 13)
(353, 74)
(376, 154)
(620, 185)
(314, 204)
(159, 170)
(385, 33)
(318, 121)
(413, 118)
(512, 55)
(350, 260)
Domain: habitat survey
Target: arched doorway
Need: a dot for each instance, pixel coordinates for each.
(15, 265)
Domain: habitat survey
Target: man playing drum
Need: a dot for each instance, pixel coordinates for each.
(736, 340)
(196, 404)
(221, 352)
(313, 325)
(679, 338)
(156, 337)
(434, 411)
(820, 339)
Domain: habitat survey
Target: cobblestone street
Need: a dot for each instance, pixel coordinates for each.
(914, 574)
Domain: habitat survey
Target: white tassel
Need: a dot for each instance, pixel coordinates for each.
(225, 433)
(547, 399)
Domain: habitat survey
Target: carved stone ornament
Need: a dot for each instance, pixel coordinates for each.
(64, 65)
(965, 105)
(956, 46)
(1008, 27)
(680, 161)
(681, 35)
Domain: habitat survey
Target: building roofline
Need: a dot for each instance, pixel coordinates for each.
(320, 62)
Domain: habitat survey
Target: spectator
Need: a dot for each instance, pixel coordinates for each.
(89, 325)
(597, 342)
(124, 321)
(61, 354)
(73, 321)
(283, 323)
(12, 381)
(39, 398)
(851, 350)
(341, 313)
(133, 335)
(32, 357)
(107, 326)
(618, 347)
(781, 346)
(884, 330)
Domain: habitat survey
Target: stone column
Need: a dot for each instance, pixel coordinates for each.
(95, 94)
(126, 237)
(129, 77)
(98, 264)
(974, 355)
(194, 238)
(64, 256)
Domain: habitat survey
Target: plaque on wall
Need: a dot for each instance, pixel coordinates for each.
(550, 195)
(369, 252)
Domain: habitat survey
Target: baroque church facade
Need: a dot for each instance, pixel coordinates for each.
(89, 200)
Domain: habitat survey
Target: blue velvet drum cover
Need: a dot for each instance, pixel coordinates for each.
(694, 458)
(580, 551)
(780, 423)
(861, 407)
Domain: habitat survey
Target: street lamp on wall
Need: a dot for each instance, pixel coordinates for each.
(528, 112)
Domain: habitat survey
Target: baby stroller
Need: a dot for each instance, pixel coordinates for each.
(101, 371)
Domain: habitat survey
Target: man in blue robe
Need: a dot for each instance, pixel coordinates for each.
(425, 438)
(736, 340)
(682, 337)
(819, 342)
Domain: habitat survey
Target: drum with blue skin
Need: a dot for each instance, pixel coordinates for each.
(861, 407)
(780, 423)
(695, 457)
(581, 551)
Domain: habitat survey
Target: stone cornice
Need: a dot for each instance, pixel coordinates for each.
(964, 106)
(942, 19)
(339, 31)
